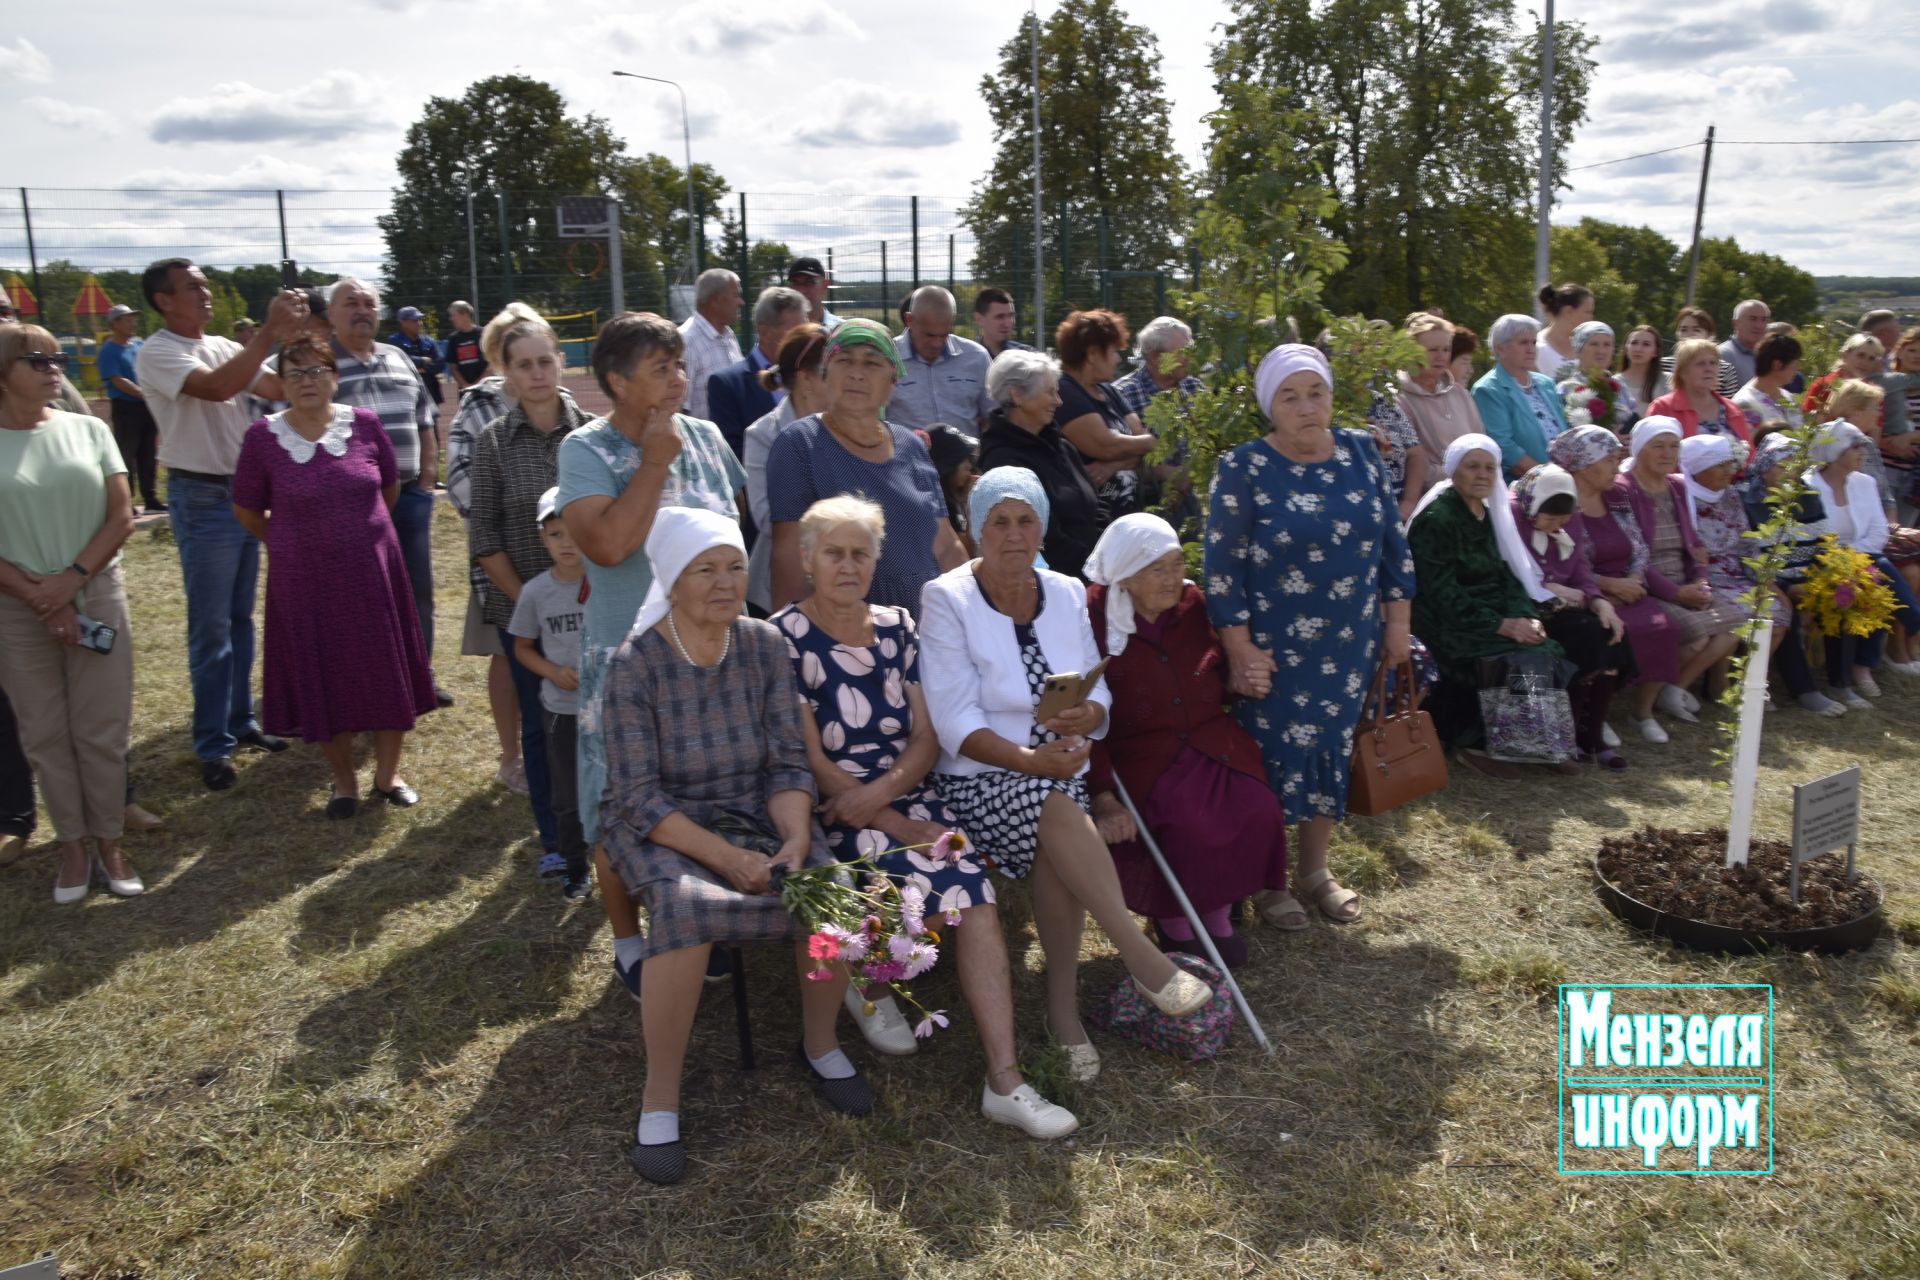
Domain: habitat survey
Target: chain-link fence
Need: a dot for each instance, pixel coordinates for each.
(488, 247)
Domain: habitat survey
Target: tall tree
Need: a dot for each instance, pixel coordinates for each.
(1114, 189)
(1428, 136)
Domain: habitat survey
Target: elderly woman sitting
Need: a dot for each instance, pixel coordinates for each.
(706, 771)
(1857, 519)
(1769, 483)
(1171, 741)
(872, 747)
(1520, 405)
(1025, 387)
(1579, 618)
(1479, 595)
(992, 631)
(1593, 346)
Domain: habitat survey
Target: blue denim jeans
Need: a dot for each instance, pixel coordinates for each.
(1907, 609)
(413, 521)
(220, 565)
(533, 746)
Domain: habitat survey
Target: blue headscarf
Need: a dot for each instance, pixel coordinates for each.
(1000, 484)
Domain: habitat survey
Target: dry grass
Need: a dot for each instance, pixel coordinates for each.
(384, 1049)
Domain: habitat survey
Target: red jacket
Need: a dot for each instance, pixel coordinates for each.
(1166, 696)
(1676, 405)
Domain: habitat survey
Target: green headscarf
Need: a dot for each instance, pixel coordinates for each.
(865, 333)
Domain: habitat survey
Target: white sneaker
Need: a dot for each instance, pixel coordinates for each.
(1650, 730)
(1673, 700)
(885, 1028)
(1849, 699)
(1904, 668)
(1866, 685)
(1026, 1109)
(1608, 738)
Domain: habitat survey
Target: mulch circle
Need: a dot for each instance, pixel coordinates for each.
(1684, 873)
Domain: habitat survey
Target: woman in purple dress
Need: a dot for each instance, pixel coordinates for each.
(315, 483)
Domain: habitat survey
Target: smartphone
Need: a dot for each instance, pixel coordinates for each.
(289, 274)
(1064, 692)
(97, 636)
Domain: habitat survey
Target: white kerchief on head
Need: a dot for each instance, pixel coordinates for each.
(1282, 363)
(1647, 431)
(1835, 439)
(1506, 534)
(1543, 482)
(679, 535)
(1129, 545)
(1697, 454)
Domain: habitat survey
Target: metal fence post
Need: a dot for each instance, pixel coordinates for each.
(506, 251)
(280, 202)
(1106, 286)
(33, 259)
(700, 240)
(614, 263)
(747, 285)
(949, 262)
(886, 293)
(1066, 262)
(914, 208)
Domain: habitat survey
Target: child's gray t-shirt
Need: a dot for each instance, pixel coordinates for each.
(550, 612)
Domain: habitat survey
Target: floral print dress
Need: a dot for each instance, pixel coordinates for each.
(1302, 554)
(858, 695)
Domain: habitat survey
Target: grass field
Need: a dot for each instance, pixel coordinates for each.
(384, 1049)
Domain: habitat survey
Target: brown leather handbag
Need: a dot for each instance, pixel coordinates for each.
(1397, 756)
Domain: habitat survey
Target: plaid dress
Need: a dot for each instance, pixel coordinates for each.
(699, 741)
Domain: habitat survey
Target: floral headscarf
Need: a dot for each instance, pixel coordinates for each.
(1582, 447)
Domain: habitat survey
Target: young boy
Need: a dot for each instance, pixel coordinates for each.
(546, 630)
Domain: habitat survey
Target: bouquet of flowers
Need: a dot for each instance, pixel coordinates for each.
(859, 918)
(1591, 400)
(1845, 593)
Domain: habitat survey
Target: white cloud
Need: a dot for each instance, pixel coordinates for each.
(23, 61)
(851, 114)
(65, 115)
(732, 28)
(334, 105)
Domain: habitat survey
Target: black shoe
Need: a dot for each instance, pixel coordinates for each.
(339, 806)
(441, 698)
(218, 774)
(399, 795)
(577, 890)
(852, 1096)
(263, 741)
(664, 1163)
(1232, 948)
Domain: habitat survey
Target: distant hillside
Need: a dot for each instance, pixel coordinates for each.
(1891, 286)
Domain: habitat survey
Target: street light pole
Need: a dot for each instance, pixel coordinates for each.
(473, 251)
(686, 137)
(1039, 254)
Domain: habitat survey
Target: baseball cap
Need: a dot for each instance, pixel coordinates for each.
(119, 309)
(410, 313)
(543, 509)
(806, 267)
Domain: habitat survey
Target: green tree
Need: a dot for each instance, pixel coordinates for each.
(1644, 261)
(1427, 135)
(1573, 254)
(1729, 274)
(1114, 189)
(652, 191)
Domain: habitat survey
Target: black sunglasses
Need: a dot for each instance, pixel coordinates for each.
(42, 361)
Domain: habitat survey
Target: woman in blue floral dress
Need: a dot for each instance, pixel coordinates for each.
(872, 748)
(1308, 576)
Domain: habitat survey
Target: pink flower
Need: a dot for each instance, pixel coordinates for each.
(915, 957)
(953, 919)
(822, 946)
(950, 847)
(925, 1026)
(1843, 596)
(853, 946)
(913, 909)
(883, 971)
(819, 975)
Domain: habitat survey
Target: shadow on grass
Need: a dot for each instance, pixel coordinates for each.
(1324, 1139)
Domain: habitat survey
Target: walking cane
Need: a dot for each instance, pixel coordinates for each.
(1193, 917)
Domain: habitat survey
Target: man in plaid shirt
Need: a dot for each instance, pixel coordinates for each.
(1163, 344)
(382, 379)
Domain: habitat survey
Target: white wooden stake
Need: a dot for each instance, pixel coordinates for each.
(1746, 747)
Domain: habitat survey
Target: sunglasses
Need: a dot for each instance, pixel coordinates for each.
(306, 373)
(46, 362)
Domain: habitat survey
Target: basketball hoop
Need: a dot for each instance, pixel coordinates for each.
(599, 258)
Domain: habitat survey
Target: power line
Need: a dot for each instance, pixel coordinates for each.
(1641, 156)
(1754, 142)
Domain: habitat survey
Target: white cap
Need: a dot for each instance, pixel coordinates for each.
(544, 508)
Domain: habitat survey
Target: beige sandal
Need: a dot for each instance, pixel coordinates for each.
(1275, 905)
(1332, 903)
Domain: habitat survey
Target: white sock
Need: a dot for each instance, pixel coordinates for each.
(626, 951)
(834, 1066)
(1814, 701)
(657, 1128)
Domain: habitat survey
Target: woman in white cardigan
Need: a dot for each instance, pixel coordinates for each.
(1858, 518)
(991, 631)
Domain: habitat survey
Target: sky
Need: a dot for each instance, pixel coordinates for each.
(839, 106)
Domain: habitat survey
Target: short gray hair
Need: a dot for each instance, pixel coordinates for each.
(845, 508)
(1157, 336)
(1019, 371)
(353, 282)
(712, 282)
(776, 302)
(1749, 305)
(1509, 327)
(932, 299)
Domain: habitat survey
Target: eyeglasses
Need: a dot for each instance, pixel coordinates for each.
(7, 312)
(305, 373)
(46, 362)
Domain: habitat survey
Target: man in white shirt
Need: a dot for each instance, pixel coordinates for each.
(810, 280)
(708, 334)
(196, 383)
(945, 377)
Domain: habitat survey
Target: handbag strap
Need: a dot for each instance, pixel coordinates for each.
(1378, 708)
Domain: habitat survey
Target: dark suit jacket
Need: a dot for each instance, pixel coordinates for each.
(736, 400)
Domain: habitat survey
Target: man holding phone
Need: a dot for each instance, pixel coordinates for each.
(195, 384)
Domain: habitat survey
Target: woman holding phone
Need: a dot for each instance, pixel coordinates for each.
(992, 631)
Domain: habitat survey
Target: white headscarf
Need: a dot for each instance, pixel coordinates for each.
(1834, 439)
(1699, 453)
(1647, 431)
(1282, 363)
(678, 536)
(1532, 490)
(1129, 545)
(1506, 534)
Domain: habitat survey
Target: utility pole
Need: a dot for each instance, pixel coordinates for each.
(1039, 255)
(1699, 213)
(1541, 232)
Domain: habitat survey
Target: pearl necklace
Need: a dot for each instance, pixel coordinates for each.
(726, 643)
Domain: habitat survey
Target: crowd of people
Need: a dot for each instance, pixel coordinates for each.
(800, 603)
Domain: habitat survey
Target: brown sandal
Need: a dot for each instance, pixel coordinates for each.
(1331, 902)
(1275, 905)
